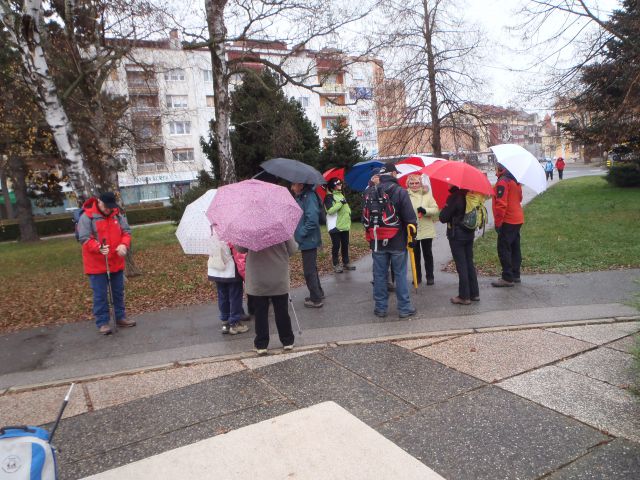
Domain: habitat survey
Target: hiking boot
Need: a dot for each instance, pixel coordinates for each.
(502, 283)
(430, 281)
(125, 323)
(338, 269)
(460, 301)
(349, 266)
(261, 352)
(517, 280)
(225, 328)
(288, 347)
(237, 328)
(408, 314)
(380, 314)
(311, 304)
(475, 299)
(104, 330)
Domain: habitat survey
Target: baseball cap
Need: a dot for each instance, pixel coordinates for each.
(388, 167)
(109, 200)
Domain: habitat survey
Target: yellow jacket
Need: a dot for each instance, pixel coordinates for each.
(426, 227)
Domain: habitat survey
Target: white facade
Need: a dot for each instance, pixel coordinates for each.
(171, 100)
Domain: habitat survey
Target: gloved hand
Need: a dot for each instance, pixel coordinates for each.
(422, 210)
(412, 244)
(498, 229)
(104, 249)
(343, 201)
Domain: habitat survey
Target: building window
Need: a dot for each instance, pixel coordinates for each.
(210, 101)
(183, 155)
(304, 101)
(150, 161)
(144, 101)
(207, 75)
(140, 78)
(176, 75)
(177, 101)
(180, 128)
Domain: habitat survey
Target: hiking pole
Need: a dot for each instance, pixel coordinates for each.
(64, 405)
(295, 315)
(411, 234)
(109, 292)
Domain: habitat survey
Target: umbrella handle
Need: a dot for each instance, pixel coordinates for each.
(411, 234)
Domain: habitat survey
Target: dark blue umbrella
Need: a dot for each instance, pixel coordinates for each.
(358, 176)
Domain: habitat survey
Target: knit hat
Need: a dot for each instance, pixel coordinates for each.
(387, 168)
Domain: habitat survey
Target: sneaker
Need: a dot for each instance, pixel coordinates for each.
(225, 327)
(475, 299)
(349, 266)
(104, 330)
(125, 323)
(380, 314)
(311, 304)
(237, 328)
(338, 268)
(288, 347)
(460, 301)
(261, 352)
(408, 314)
(502, 283)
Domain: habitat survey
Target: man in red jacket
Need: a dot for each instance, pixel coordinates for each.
(105, 236)
(560, 166)
(508, 218)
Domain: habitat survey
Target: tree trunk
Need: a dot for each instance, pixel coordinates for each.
(429, 21)
(28, 231)
(5, 194)
(38, 78)
(220, 68)
(130, 267)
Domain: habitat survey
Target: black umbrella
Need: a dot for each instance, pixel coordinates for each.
(293, 171)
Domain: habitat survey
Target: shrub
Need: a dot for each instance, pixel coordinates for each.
(625, 174)
(179, 203)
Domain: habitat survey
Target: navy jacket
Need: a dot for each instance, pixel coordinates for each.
(452, 215)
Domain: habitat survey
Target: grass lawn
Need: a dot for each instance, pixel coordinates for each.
(578, 225)
(43, 283)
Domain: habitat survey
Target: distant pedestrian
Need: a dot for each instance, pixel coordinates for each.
(308, 236)
(106, 237)
(225, 271)
(267, 280)
(338, 224)
(560, 167)
(388, 239)
(548, 169)
(461, 244)
(508, 217)
(427, 212)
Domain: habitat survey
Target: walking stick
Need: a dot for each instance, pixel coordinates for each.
(295, 315)
(411, 233)
(64, 405)
(109, 292)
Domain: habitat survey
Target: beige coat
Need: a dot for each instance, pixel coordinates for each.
(426, 224)
(267, 271)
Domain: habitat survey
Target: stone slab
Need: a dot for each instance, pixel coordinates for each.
(257, 362)
(604, 364)
(423, 342)
(616, 460)
(626, 344)
(491, 434)
(595, 403)
(118, 390)
(413, 378)
(599, 334)
(103, 430)
(123, 454)
(40, 406)
(312, 379)
(497, 355)
(321, 442)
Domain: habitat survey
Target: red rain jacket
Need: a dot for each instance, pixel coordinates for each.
(560, 164)
(93, 228)
(507, 202)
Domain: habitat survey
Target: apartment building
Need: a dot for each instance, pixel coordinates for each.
(170, 91)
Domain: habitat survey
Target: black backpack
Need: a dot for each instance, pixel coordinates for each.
(322, 214)
(379, 217)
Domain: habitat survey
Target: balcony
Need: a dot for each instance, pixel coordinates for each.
(333, 88)
(145, 112)
(150, 168)
(149, 87)
(335, 110)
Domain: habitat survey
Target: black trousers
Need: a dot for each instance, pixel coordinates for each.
(462, 251)
(311, 277)
(339, 241)
(424, 246)
(560, 172)
(281, 313)
(509, 251)
(549, 175)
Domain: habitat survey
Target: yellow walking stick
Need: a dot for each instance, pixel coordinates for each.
(411, 235)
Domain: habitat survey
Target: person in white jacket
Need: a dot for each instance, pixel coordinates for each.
(427, 212)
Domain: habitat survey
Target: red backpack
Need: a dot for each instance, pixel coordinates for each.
(379, 217)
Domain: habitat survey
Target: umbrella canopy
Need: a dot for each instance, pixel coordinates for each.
(411, 165)
(358, 176)
(328, 175)
(522, 164)
(419, 161)
(293, 171)
(460, 174)
(194, 232)
(254, 214)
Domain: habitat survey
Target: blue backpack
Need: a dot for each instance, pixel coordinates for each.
(26, 454)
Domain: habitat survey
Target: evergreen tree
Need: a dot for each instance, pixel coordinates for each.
(342, 149)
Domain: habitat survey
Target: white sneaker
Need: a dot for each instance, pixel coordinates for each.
(288, 347)
(261, 351)
(238, 328)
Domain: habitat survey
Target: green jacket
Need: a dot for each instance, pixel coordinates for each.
(333, 204)
(426, 227)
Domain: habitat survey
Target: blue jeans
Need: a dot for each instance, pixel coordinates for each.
(230, 301)
(99, 285)
(398, 261)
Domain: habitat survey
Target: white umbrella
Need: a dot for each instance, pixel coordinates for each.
(194, 231)
(522, 164)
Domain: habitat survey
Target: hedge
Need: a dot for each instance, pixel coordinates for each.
(624, 174)
(62, 223)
